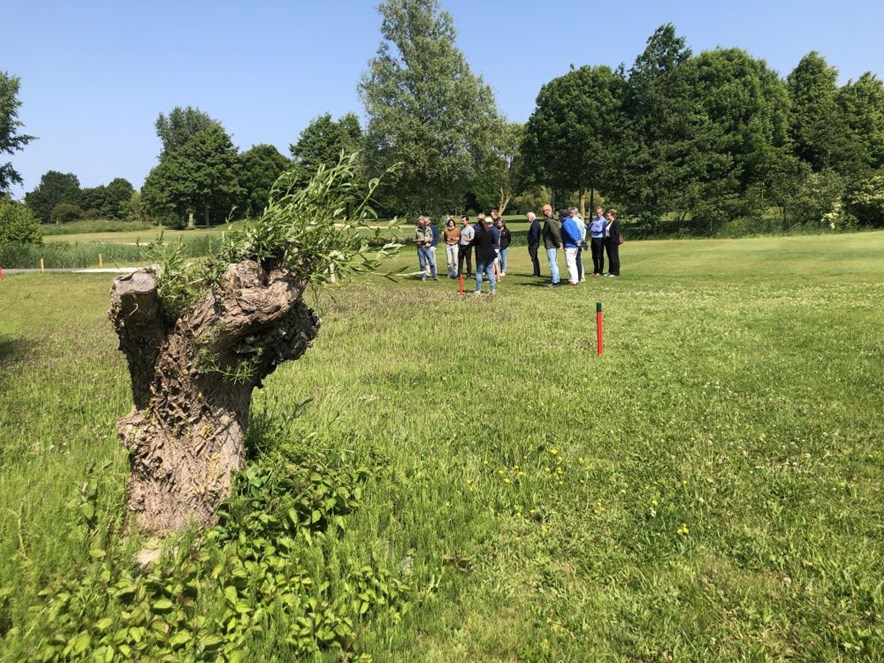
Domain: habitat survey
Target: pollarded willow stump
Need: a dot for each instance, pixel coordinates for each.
(192, 382)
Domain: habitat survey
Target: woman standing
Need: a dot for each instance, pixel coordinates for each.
(612, 242)
(506, 239)
(452, 239)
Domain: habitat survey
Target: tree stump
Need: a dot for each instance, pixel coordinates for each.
(192, 382)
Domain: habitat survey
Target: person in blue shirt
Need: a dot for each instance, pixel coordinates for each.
(597, 241)
(571, 240)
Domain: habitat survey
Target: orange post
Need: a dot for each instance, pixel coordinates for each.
(460, 288)
(600, 344)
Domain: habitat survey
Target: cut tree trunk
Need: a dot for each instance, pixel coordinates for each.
(192, 382)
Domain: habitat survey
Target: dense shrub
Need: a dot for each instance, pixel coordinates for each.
(866, 201)
(18, 224)
(64, 212)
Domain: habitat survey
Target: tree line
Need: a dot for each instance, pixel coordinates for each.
(699, 140)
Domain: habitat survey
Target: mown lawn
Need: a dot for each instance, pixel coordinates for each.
(709, 489)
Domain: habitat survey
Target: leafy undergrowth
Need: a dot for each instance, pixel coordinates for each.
(267, 569)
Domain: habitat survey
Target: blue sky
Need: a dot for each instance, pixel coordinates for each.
(96, 74)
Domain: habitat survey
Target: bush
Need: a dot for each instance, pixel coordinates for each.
(64, 212)
(18, 225)
(866, 201)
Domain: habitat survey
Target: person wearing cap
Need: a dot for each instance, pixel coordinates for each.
(465, 249)
(484, 242)
(552, 241)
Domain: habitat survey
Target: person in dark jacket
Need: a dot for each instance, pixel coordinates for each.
(552, 240)
(506, 239)
(533, 242)
(485, 242)
(612, 242)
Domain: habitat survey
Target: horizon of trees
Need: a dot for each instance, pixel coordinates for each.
(708, 138)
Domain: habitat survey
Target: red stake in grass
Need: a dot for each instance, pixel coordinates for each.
(598, 329)
(460, 288)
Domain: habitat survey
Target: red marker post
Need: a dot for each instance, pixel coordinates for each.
(460, 289)
(600, 344)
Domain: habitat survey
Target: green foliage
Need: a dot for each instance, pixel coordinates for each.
(754, 427)
(17, 224)
(10, 140)
(324, 141)
(108, 202)
(312, 230)
(65, 212)
(242, 579)
(182, 124)
(426, 110)
(200, 176)
(865, 201)
(54, 188)
(260, 167)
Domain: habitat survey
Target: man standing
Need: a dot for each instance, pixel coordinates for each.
(433, 244)
(486, 254)
(533, 242)
(552, 241)
(465, 249)
(581, 228)
(423, 239)
(571, 240)
(597, 241)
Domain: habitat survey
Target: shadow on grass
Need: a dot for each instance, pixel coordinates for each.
(268, 431)
(12, 350)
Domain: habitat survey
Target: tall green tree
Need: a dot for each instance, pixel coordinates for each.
(573, 136)
(201, 176)
(323, 141)
(738, 132)
(658, 143)
(818, 126)
(426, 110)
(260, 166)
(862, 104)
(11, 140)
(179, 126)
(54, 188)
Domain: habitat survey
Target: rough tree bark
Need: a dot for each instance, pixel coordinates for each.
(185, 435)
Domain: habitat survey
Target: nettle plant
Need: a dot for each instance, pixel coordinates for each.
(267, 570)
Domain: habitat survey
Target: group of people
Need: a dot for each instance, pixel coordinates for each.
(490, 239)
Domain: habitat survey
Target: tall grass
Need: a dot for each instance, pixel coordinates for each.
(709, 489)
(81, 255)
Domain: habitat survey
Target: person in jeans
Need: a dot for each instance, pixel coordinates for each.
(423, 239)
(485, 241)
(552, 241)
(612, 238)
(465, 248)
(452, 241)
(597, 241)
(533, 242)
(435, 230)
(506, 239)
(581, 228)
(571, 241)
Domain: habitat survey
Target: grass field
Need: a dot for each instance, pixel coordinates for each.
(709, 489)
